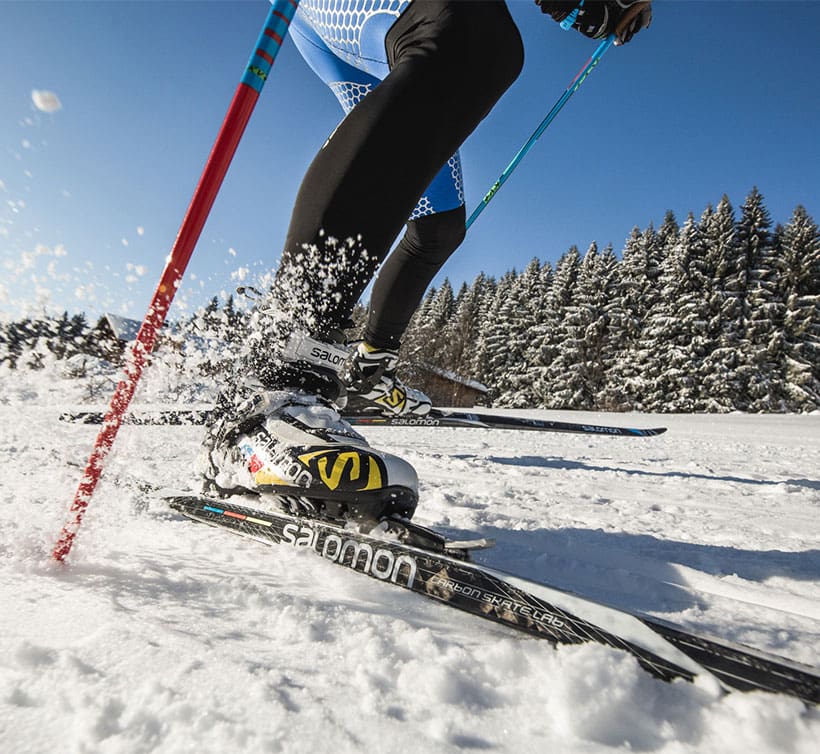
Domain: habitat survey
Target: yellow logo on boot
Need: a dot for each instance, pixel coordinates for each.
(349, 470)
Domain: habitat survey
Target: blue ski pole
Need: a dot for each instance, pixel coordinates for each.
(556, 108)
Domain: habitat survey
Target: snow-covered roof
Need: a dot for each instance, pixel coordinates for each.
(123, 328)
(457, 378)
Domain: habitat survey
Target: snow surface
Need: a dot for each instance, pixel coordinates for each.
(166, 636)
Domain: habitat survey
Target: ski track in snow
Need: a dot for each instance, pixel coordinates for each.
(166, 636)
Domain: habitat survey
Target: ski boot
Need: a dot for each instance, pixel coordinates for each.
(289, 445)
(369, 376)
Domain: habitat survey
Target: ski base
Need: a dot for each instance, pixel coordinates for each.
(666, 651)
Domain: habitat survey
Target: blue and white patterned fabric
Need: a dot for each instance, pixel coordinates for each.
(343, 42)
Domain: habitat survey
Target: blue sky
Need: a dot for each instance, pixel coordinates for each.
(716, 98)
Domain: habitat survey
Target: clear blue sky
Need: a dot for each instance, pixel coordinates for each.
(717, 97)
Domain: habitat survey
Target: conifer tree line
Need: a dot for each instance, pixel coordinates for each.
(29, 341)
(721, 313)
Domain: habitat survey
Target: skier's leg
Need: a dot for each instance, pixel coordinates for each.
(406, 274)
(450, 62)
(285, 440)
(433, 233)
(371, 373)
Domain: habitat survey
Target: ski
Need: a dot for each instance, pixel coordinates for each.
(437, 417)
(152, 416)
(665, 650)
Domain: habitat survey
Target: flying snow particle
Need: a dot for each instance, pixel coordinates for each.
(138, 269)
(232, 252)
(46, 101)
(140, 231)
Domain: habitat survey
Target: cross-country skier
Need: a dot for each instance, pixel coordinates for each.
(415, 79)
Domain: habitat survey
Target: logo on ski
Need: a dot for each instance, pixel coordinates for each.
(441, 584)
(360, 556)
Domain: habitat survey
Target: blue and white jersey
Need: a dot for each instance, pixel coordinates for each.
(343, 42)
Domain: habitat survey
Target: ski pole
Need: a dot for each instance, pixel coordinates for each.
(233, 126)
(556, 108)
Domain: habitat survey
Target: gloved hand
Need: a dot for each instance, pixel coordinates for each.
(597, 19)
(636, 16)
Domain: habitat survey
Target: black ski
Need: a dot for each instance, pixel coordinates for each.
(437, 417)
(665, 650)
(167, 416)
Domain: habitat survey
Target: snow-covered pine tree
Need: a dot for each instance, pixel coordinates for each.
(676, 325)
(640, 269)
(537, 348)
(521, 314)
(550, 377)
(463, 330)
(798, 246)
(641, 293)
(491, 353)
(437, 345)
(586, 351)
(719, 377)
(763, 307)
(568, 390)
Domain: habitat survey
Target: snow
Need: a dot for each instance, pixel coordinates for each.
(46, 101)
(165, 636)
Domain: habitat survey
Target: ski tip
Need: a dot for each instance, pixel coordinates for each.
(653, 432)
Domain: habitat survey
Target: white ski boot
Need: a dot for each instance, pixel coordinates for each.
(292, 446)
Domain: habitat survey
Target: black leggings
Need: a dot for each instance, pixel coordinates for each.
(450, 62)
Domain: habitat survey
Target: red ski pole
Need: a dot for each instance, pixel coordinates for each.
(233, 126)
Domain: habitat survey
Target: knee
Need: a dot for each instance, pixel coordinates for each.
(433, 238)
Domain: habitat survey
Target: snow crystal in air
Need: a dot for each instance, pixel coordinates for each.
(45, 101)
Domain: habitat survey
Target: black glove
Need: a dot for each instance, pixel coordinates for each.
(597, 19)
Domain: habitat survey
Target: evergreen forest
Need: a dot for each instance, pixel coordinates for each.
(720, 313)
